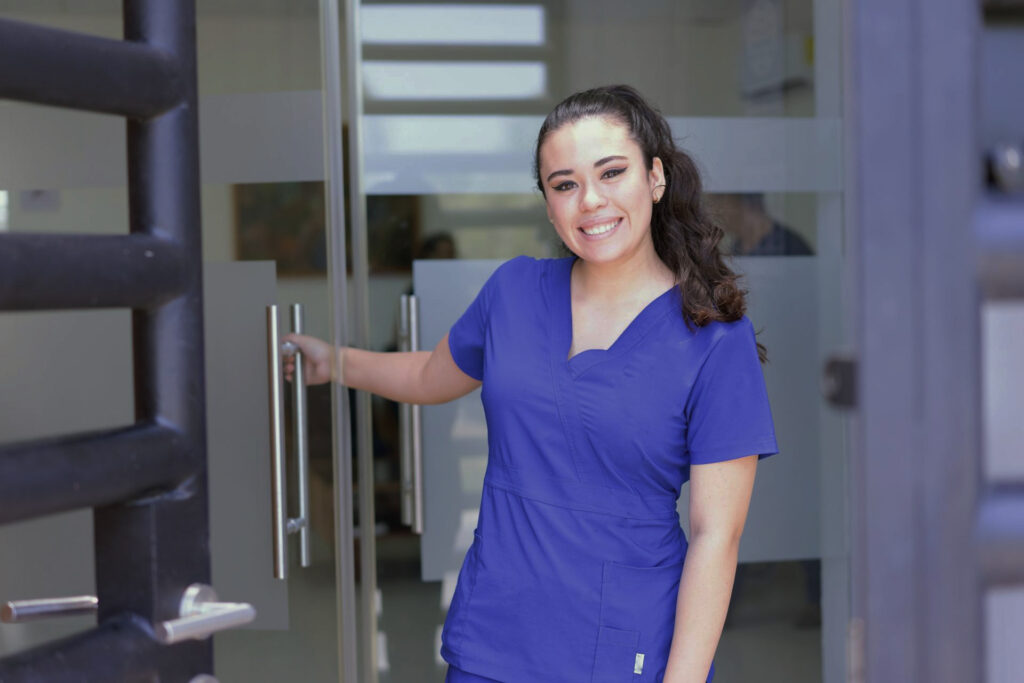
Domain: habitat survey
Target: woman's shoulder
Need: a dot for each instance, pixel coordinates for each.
(701, 340)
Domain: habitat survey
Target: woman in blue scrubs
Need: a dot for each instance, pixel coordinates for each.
(609, 378)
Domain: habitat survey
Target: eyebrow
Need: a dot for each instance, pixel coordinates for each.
(599, 162)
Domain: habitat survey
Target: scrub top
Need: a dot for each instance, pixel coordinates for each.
(578, 551)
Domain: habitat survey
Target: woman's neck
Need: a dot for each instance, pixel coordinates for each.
(639, 278)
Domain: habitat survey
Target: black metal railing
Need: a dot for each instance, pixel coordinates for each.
(146, 482)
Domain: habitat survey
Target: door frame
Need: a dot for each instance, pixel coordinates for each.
(913, 184)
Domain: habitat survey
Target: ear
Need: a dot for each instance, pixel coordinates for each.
(657, 173)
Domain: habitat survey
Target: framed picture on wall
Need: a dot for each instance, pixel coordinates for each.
(282, 222)
(285, 222)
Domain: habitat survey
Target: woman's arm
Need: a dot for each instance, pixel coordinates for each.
(719, 499)
(422, 377)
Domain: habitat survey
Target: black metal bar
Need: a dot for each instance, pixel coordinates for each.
(67, 69)
(87, 271)
(117, 650)
(148, 552)
(66, 473)
(147, 483)
(1000, 535)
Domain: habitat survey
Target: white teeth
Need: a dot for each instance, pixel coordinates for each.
(599, 229)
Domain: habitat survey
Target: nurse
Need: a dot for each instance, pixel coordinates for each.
(610, 377)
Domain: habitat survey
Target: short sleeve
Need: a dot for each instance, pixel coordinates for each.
(467, 335)
(727, 412)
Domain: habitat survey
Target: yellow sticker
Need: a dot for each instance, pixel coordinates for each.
(638, 665)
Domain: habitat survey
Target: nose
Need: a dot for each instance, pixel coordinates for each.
(591, 198)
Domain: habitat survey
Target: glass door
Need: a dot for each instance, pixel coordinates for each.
(268, 225)
(454, 94)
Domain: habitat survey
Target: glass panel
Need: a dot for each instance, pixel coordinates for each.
(454, 80)
(453, 25)
(751, 89)
(262, 164)
(1004, 621)
(1002, 334)
(463, 154)
(700, 58)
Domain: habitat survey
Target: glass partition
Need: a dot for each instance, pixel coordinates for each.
(752, 89)
(263, 148)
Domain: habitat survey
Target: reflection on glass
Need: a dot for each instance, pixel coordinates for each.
(449, 80)
(452, 24)
(753, 229)
(752, 58)
(3, 210)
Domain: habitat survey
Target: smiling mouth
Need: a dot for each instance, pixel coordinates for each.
(601, 228)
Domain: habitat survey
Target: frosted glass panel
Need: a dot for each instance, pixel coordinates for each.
(1003, 388)
(454, 80)
(267, 137)
(784, 513)
(1004, 622)
(454, 433)
(452, 24)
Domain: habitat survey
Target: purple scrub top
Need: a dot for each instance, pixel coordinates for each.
(574, 569)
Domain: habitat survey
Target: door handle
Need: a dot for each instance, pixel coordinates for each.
(200, 616)
(410, 425)
(301, 437)
(199, 613)
(281, 523)
(18, 611)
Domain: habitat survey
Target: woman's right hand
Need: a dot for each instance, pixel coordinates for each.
(316, 355)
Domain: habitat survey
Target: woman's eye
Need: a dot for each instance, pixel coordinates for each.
(612, 172)
(562, 187)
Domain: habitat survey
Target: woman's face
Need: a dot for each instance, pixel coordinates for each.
(599, 194)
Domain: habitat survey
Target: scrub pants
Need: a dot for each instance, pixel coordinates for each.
(456, 675)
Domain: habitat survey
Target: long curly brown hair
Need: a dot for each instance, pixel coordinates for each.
(685, 236)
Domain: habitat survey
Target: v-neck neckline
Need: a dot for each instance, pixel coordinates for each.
(634, 330)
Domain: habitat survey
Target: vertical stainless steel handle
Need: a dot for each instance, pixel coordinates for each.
(301, 442)
(415, 426)
(282, 524)
(405, 423)
(279, 516)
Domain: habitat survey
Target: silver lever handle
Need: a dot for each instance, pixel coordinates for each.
(17, 611)
(410, 426)
(200, 616)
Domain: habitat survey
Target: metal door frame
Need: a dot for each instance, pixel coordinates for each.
(145, 482)
(929, 535)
